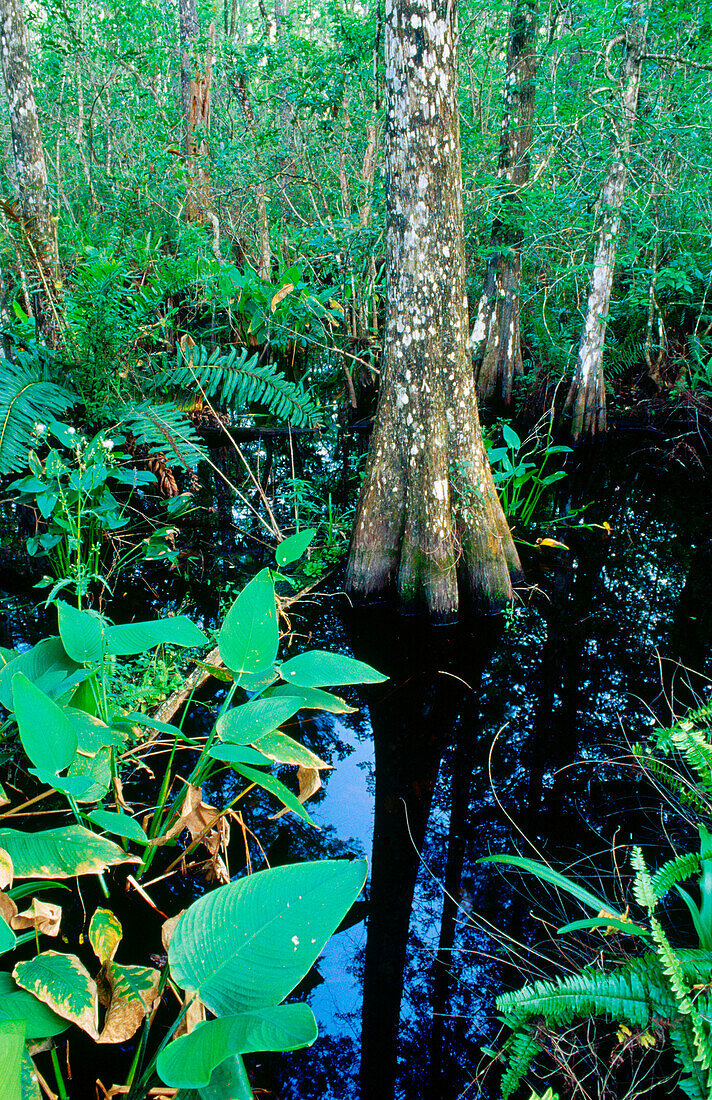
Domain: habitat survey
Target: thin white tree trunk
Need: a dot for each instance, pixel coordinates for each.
(586, 402)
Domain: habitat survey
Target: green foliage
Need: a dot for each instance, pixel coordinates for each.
(29, 393)
(666, 980)
(235, 380)
(519, 469)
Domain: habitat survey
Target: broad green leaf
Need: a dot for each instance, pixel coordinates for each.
(510, 437)
(63, 983)
(188, 1062)
(78, 787)
(132, 992)
(16, 1004)
(105, 933)
(244, 724)
(554, 878)
(12, 1048)
(61, 853)
(246, 945)
(47, 665)
(94, 770)
(228, 1080)
(7, 937)
(275, 787)
(249, 636)
(92, 733)
(311, 698)
(82, 633)
(119, 825)
(46, 733)
(283, 749)
(133, 638)
(292, 548)
(321, 669)
(238, 754)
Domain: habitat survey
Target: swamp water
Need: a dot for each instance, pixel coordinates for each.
(480, 735)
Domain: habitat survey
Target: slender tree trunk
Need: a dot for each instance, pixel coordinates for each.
(195, 100)
(496, 335)
(586, 402)
(428, 515)
(37, 220)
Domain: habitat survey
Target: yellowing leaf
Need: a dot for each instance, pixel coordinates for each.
(285, 290)
(63, 983)
(309, 783)
(552, 543)
(105, 934)
(131, 992)
(6, 870)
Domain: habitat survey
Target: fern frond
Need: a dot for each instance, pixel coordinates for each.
(632, 993)
(521, 1052)
(165, 427)
(675, 870)
(28, 395)
(642, 884)
(695, 1082)
(233, 379)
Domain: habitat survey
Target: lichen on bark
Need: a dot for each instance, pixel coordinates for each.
(415, 531)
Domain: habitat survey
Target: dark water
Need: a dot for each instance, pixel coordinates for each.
(484, 735)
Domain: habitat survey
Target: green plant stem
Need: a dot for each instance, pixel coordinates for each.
(58, 1075)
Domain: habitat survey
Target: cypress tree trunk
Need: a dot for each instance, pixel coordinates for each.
(36, 218)
(496, 336)
(428, 522)
(586, 402)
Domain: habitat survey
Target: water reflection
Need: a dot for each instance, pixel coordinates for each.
(579, 675)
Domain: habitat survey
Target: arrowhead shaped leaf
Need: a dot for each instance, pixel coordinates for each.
(47, 665)
(63, 983)
(311, 698)
(188, 1062)
(244, 724)
(292, 548)
(46, 733)
(82, 633)
(318, 669)
(246, 945)
(133, 638)
(249, 636)
(61, 853)
(119, 825)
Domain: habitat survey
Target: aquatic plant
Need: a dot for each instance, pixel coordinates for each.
(642, 974)
(236, 952)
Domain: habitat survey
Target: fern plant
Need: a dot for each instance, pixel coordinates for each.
(29, 395)
(626, 985)
(166, 428)
(235, 380)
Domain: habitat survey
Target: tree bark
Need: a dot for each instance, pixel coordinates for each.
(496, 338)
(195, 101)
(586, 401)
(36, 217)
(428, 521)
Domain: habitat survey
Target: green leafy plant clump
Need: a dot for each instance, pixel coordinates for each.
(239, 950)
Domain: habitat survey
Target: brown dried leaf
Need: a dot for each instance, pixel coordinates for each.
(285, 290)
(45, 916)
(168, 928)
(132, 993)
(8, 909)
(194, 1015)
(309, 783)
(197, 817)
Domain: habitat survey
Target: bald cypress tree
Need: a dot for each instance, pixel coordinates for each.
(34, 213)
(429, 523)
